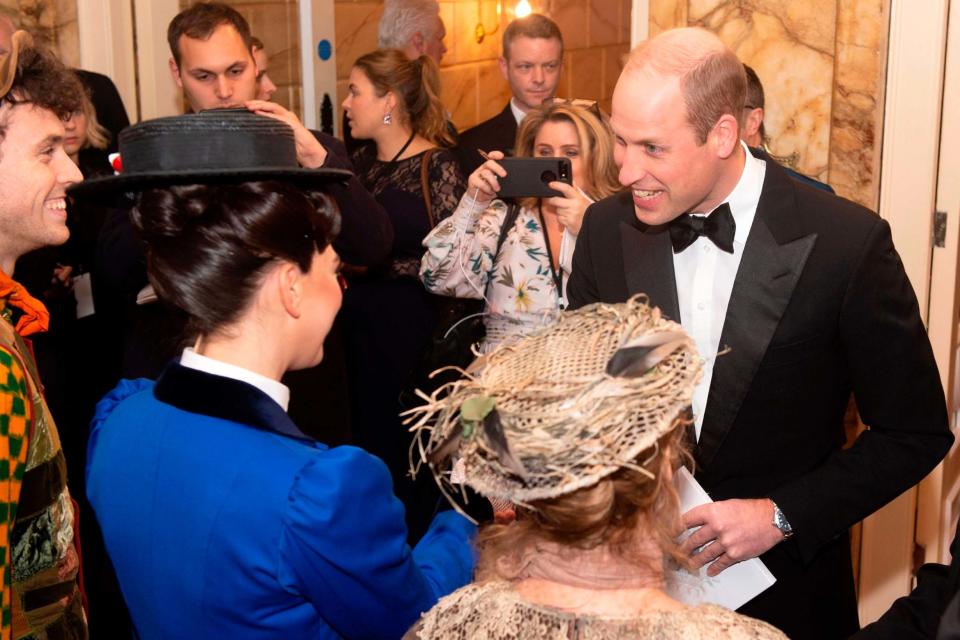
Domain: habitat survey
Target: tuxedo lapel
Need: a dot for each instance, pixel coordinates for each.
(773, 259)
(648, 266)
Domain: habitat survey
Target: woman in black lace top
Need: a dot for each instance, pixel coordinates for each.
(389, 316)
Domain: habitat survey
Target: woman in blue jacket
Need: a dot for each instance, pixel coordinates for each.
(220, 516)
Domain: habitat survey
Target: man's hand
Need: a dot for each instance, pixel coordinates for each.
(310, 153)
(733, 530)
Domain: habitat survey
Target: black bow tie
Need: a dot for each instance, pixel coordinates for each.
(719, 226)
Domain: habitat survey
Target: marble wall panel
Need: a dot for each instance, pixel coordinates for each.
(586, 74)
(604, 23)
(466, 16)
(857, 121)
(571, 17)
(53, 24)
(356, 32)
(493, 91)
(667, 14)
(459, 92)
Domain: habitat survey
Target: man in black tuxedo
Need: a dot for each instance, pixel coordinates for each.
(805, 298)
(532, 63)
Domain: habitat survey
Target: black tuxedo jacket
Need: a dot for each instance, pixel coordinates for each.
(821, 307)
(496, 134)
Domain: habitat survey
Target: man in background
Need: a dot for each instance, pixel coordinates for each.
(755, 134)
(265, 86)
(532, 62)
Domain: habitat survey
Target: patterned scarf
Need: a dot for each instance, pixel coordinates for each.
(35, 317)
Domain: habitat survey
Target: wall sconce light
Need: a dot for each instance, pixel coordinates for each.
(523, 9)
(480, 31)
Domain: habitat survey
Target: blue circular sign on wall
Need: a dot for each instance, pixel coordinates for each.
(324, 49)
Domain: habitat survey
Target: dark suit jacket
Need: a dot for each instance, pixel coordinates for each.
(821, 307)
(931, 610)
(366, 233)
(499, 133)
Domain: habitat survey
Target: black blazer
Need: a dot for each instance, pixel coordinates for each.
(499, 133)
(821, 307)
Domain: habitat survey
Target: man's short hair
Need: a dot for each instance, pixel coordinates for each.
(754, 89)
(44, 81)
(712, 79)
(201, 20)
(402, 19)
(533, 26)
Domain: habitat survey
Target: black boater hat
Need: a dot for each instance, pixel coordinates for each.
(219, 145)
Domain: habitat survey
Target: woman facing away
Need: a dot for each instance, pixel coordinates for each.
(523, 280)
(389, 316)
(580, 425)
(221, 517)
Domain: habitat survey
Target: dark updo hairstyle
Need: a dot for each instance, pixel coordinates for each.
(209, 245)
(416, 83)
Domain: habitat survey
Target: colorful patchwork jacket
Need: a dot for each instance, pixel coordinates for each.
(41, 598)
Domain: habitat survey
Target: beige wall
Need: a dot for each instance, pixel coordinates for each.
(596, 34)
(822, 64)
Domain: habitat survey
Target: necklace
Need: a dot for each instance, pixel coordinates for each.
(557, 278)
(403, 148)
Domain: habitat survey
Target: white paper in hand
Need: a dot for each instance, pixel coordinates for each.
(735, 586)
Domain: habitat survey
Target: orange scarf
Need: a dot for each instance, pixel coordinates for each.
(35, 318)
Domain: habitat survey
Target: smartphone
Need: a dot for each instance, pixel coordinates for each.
(529, 177)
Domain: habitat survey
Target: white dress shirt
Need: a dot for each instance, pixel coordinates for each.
(518, 113)
(705, 276)
(279, 392)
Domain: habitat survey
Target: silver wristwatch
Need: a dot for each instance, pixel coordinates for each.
(780, 522)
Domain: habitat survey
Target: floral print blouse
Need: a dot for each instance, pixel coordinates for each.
(518, 284)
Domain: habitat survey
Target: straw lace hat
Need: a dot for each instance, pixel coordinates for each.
(561, 408)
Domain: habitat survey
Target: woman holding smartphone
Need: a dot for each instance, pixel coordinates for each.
(518, 257)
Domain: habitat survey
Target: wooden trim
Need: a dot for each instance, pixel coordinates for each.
(908, 179)
(639, 22)
(106, 46)
(319, 77)
(159, 94)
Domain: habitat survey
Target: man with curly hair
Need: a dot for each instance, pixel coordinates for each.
(41, 597)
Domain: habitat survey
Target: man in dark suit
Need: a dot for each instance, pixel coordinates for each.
(532, 62)
(796, 298)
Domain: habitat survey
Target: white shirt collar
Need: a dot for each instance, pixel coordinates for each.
(518, 113)
(745, 196)
(279, 392)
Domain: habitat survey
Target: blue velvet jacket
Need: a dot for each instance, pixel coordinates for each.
(223, 520)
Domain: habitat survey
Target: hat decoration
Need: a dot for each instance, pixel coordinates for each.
(561, 408)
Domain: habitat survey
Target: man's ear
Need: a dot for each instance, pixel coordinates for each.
(416, 41)
(289, 283)
(504, 66)
(725, 136)
(751, 124)
(175, 72)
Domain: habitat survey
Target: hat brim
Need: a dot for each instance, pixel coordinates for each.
(121, 190)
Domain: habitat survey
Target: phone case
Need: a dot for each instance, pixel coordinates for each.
(528, 177)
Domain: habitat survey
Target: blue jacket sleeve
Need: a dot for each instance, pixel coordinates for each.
(344, 548)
